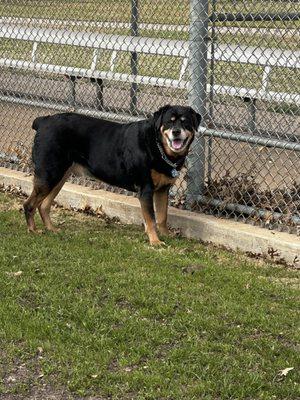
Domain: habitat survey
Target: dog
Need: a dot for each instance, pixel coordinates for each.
(144, 157)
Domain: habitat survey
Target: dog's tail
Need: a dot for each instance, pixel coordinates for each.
(37, 121)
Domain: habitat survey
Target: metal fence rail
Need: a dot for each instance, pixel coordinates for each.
(236, 62)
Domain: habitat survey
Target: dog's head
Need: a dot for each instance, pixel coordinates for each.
(175, 128)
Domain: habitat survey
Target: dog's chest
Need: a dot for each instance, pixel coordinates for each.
(160, 180)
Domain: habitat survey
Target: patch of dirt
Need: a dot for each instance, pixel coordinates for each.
(25, 381)
(47, 393)
(191, 269)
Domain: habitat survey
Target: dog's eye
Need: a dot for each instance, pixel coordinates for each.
(173, 119)
(182, 119)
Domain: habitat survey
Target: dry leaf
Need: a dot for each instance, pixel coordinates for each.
(285, 371)
(18, 273)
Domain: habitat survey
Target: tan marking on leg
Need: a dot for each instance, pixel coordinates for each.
(45, 206)
(161, 208)
(38, 194)
(150, 225)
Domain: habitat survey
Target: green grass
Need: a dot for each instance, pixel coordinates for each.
(164, 12)
(230, 74)
(98, 311)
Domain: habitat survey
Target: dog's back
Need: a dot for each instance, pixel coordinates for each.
(109, 150)
(133, 156)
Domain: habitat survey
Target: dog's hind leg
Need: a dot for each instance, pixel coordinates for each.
(45, 206)
(39, 193)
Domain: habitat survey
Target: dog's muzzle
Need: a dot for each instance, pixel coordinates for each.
(178, 139)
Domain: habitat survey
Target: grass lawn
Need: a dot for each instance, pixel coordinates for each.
(95, 311)
(165, 12)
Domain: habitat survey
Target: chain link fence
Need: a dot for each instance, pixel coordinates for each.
(236, 62)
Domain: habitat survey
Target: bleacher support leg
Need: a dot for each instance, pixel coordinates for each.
(99, 94)
(72, 93)
(251, 103)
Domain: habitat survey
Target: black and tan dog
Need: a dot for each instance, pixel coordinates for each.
(143, 156)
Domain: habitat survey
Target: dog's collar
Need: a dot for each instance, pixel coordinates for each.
(174, 172)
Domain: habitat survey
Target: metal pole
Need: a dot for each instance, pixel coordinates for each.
(242, 209)
(134, 58)
(253, 139)
(197, 94)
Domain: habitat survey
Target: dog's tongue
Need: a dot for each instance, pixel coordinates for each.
(177, 143)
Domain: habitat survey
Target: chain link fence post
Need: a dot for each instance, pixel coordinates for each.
(197, 93)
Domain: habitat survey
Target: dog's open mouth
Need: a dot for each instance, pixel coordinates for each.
(177, 144)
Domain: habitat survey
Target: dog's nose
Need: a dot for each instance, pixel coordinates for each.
(176, 132)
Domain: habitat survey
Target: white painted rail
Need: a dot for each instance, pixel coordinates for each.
(266, 58)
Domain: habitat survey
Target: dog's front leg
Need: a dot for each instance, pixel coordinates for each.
(146, 200)
(161, 209)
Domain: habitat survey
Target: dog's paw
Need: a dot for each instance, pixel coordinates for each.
(157, 243)
(36, 231)
(168, 232)
(165, 231)
(53, 229)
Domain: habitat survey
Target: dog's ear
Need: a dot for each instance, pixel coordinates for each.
(196, 118)
(157, 116)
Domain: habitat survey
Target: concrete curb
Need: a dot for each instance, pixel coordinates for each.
(231, 234)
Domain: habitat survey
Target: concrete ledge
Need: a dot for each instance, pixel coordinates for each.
(233, 235)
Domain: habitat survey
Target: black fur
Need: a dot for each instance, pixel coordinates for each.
(131, 156)
(118, 154)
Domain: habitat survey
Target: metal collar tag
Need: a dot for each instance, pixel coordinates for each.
(174, 173)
